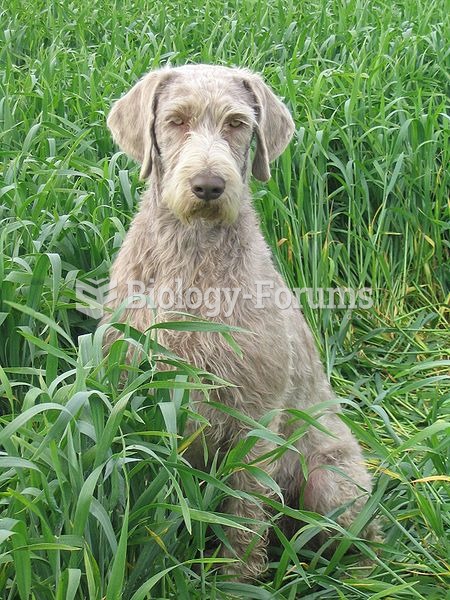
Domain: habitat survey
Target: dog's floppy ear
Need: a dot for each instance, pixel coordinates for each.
(275, 126)
(131, 120)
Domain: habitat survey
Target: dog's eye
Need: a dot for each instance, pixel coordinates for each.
(176, 121)
(235, 123)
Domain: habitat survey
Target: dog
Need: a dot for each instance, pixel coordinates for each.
(192, 129)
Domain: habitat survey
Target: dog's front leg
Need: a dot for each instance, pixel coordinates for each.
(249, 546)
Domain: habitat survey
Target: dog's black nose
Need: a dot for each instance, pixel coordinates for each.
(207, 187)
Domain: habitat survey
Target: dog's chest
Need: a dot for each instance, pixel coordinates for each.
(221, 277)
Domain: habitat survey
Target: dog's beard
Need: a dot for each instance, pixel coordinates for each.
(187, 207)
(176, 188)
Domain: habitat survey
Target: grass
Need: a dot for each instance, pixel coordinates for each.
(96, 498)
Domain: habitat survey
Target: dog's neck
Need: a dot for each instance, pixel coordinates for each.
(200, 242)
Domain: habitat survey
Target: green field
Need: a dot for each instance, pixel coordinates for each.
(96, 499)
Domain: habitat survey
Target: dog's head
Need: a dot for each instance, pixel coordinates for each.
(198, 122)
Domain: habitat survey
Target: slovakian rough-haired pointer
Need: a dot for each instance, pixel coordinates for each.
(191, 128)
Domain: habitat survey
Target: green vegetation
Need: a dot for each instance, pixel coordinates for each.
(96, 499)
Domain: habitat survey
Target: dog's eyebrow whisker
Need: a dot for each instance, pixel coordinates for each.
(244, 117)
(196, 243)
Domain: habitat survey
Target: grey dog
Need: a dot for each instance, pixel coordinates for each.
(191, 128)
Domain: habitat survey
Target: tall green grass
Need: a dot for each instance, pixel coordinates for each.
(96, 497)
